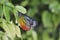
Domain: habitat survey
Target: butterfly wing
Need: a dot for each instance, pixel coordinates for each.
(25, 22)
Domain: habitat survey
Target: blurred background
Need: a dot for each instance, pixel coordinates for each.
(45, 12)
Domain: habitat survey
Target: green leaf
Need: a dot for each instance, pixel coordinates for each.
(21, 9)
(6, 11)
(34, 2)
(24, 36)
(1, 35)
(24, 3)
(47, 19)
(56, 20)
(32, 11)
(15, 12)
(59, 35)
(1, 22)
(47, 1)
(3, 1)
(58, 9)
(29, 38)
(1, 10)
(45, 36)
(29, 33)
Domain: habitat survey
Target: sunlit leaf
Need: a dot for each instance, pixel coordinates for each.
(34, 35)
(5, 37)
(21, 9)
(10, 29)
(18, 32)
(55, 7)
(9, 5)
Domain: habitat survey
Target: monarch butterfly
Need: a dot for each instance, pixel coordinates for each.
(25, 22)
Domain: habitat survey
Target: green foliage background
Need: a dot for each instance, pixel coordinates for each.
(46, 13)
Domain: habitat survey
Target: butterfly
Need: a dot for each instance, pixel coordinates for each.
(25, 22)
